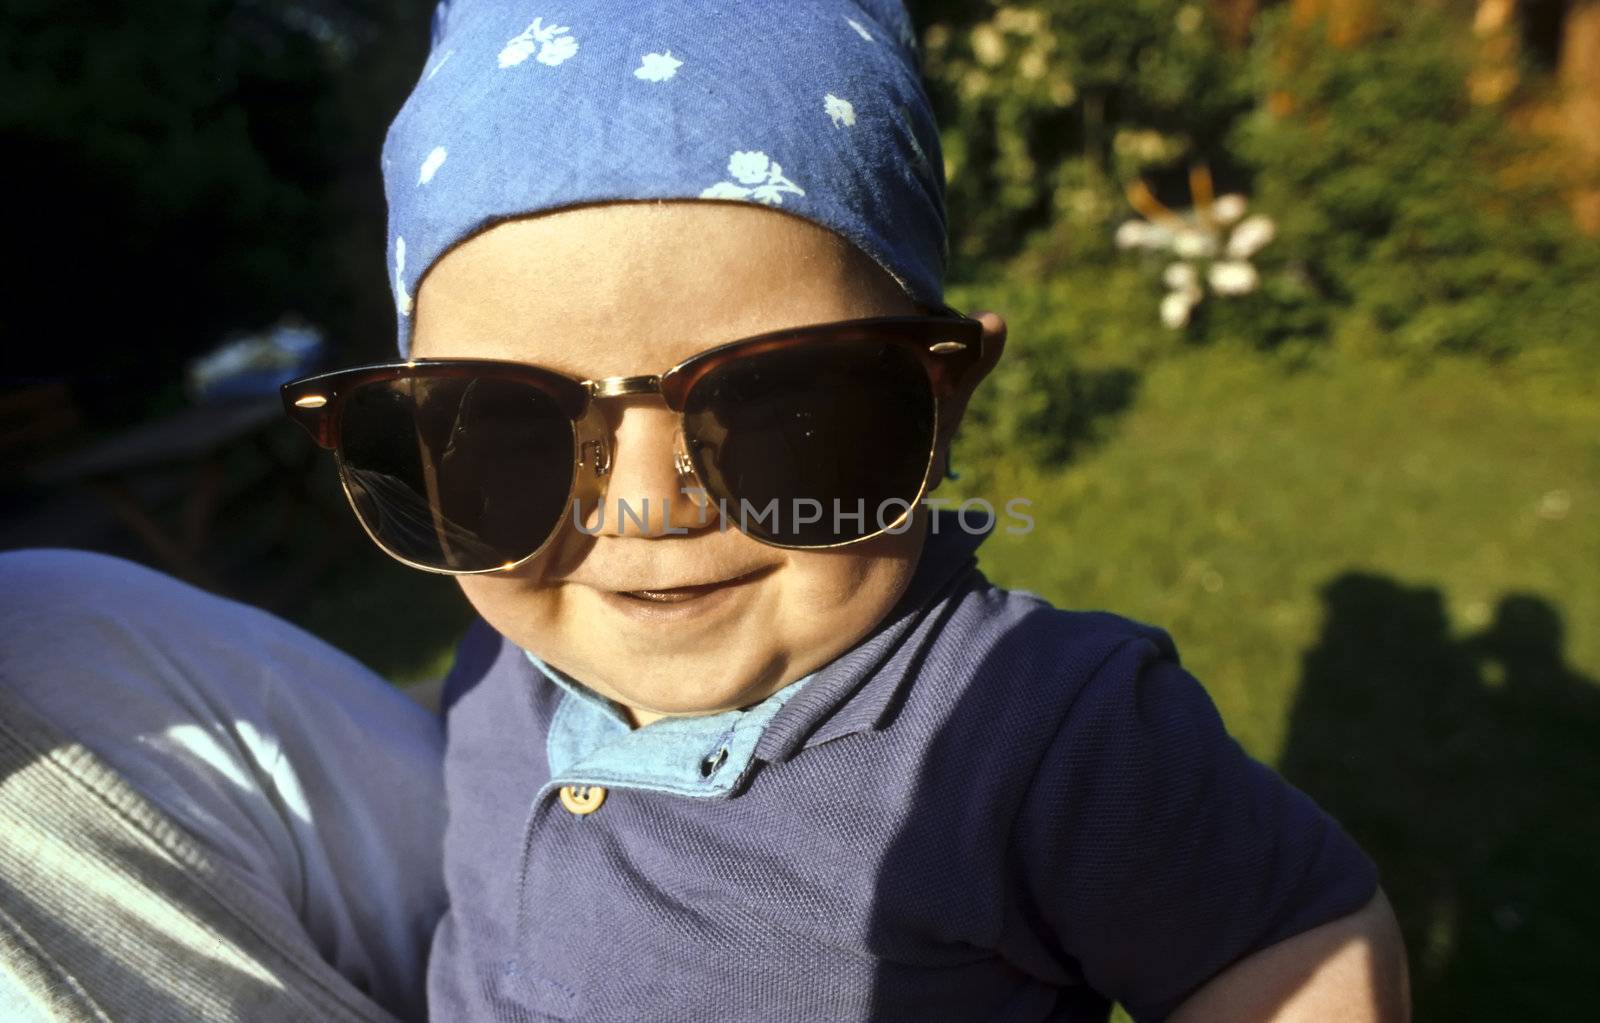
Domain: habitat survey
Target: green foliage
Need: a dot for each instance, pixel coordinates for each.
(1046, 106)
(1412, 222)
(1071, 365)
(1410, 212)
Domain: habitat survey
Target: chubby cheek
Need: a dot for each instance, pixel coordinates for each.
(839, 591)
(528, 615)
(829, 600)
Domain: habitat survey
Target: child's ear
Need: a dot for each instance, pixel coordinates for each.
(955, 406)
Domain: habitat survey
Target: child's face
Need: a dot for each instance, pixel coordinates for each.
(631, 289)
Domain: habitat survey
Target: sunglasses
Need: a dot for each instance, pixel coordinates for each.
(806, 438)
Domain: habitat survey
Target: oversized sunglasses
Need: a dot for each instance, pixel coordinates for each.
(810, 437)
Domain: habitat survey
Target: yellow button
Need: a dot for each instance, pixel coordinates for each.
(582, 799)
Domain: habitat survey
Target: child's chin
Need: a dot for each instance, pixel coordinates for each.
(693, 686)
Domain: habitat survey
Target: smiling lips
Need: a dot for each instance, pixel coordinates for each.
(683, 594)
(677, 605)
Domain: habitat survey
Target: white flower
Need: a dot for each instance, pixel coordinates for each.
(840, 110)
(725, 190)
(1176, 307)
(431, 165)
(772, 192)
(1233, 277)
(517, 51)
(557, 50)
(1181, 277)
(1131, 234)
(754, 169)
(1158, 237)
(863, 33)
(1194, 237)
(1227, 208)
(657, 67)
(1251, 236)
(550, 42)
(748, 167)
(1191, 244)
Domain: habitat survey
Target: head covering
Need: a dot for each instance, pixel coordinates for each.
(811, 106)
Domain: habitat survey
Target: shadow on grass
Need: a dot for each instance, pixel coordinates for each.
(1470, 770)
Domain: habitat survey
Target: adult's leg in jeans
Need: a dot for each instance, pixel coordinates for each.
(289, 760)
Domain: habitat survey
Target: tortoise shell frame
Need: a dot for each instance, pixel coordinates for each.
(947, 346)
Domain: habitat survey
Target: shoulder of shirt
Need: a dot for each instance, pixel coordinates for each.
(989, 688)
(1000, 639)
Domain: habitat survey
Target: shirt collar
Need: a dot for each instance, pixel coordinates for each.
(591, 742)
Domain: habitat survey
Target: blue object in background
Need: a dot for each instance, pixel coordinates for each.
(257, 365)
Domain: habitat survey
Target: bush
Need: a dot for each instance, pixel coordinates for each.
(1410, 221)
(1397, 203)
(1047, 106)
(1074, 352)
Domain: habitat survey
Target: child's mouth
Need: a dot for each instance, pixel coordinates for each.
(670, 602)
(677, 594)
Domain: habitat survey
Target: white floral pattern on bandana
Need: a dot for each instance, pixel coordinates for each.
(657, 67)
(842, 111)
(758, 178)
(431, 165)
(402, 299)
(548, 44)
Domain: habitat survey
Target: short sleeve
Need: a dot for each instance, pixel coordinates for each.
(1154, 851)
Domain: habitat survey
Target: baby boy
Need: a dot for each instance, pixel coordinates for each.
(743, 734)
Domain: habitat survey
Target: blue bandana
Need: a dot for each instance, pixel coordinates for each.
(811, 106)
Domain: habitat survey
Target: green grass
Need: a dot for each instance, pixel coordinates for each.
(1388, 579)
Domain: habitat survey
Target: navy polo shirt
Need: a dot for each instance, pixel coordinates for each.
(989, 809)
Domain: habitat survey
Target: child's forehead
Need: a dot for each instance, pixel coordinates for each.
(634, 288)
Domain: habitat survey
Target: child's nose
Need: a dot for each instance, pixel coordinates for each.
(644, 490)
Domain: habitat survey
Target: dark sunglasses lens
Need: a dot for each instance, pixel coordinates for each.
(814, 445)
(456, 473)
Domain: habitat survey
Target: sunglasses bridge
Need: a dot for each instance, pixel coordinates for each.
(597, 453)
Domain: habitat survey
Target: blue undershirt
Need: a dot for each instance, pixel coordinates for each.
(592, 742)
